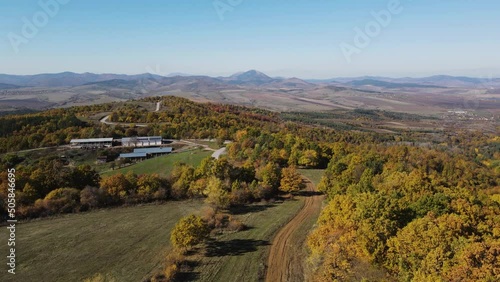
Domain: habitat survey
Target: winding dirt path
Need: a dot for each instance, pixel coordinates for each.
(285, 262)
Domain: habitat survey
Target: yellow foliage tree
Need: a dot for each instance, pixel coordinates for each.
(189, 231)
(291, 181)
(217, 195)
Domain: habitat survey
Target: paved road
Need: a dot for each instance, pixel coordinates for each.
(218, 153)
(105, 121)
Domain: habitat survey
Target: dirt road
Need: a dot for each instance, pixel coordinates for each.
(286, 256)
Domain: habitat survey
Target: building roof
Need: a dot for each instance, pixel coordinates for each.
(134, 155)
(141, 138)
(156, 150)
(91, 140)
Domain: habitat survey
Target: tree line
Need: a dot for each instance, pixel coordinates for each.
(411, 214)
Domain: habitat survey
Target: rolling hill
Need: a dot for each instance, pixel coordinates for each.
(437, 94)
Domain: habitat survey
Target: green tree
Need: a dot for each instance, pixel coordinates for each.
(309, 158)
(181, 178)
(82, 176)
(93, 197)
(269, 176)
(117, 186)
(189, 231)
(291, 181)
(216, 193)
(62, 200)
(148, 185)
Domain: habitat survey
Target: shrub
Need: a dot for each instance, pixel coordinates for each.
(117, 186)
(170, 272)
(240, 197)
(92, 197)
(100, 278)
(62, 200)
(235, 225)
(209, 216)
(173, 262)
(148, 185)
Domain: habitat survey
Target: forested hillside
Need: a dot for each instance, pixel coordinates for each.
(413, 214)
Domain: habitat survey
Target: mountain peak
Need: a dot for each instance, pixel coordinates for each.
(250, 73)
(250, 77)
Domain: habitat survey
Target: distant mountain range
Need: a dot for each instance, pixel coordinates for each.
(436, 94)
(250, 78)
(431, 81)
(8, 86)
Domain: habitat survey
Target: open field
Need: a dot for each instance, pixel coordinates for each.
(164, 164)
(126, 243)
(313, 174)
(242, 256)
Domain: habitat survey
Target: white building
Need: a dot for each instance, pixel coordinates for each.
(92, 143)
(141, 141)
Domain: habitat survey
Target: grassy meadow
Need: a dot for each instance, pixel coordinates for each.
(164, 164)
(242, 256)
(313, 174)
(123, 243)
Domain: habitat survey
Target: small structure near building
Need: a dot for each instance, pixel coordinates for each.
(142, 141)
(92, 143)
(102, 159)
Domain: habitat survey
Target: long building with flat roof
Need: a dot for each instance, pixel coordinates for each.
(142, 141)
(134, 156)
(92, 143)
(141, 153)
(156, 150)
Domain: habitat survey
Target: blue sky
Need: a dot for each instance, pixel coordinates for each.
(301, 38)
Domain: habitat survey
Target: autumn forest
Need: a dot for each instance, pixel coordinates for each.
(409, 206)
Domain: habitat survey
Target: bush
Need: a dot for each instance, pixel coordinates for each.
(62, 200)
(36, 210)
(148, 185)
(240, 197)
(209, 216)
(117, 186)
(100, 278)
(221, 220)
(161, 194)
(92, 197)
(170, 272)
(173, 263)
(235, 225)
